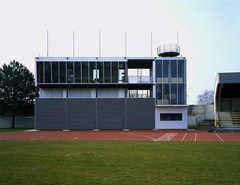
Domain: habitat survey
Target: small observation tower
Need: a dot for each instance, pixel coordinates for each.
(168, 50)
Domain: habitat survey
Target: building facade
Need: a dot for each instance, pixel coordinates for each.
(227, 100)
(111, 93)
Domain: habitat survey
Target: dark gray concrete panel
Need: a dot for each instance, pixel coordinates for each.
(92, 113)
(50, 113)
(141, 113)
(111, 113)
(81, 113)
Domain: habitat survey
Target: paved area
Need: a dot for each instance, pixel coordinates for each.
(145, 135)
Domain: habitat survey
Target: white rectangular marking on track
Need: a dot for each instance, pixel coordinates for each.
(219, 137)
(184, 137)
(166, 137)
(195, 137)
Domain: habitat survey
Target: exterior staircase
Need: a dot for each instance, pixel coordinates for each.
(229, 119)
(235, 116)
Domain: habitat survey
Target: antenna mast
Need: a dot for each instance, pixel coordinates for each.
(177, 37)
(99, 43)
(151, 43)
(47, 43)
(73, 45)
(125, 43)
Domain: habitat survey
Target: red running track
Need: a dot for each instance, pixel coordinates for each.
(144, 135)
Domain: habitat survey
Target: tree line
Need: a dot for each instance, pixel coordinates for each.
(17, 91)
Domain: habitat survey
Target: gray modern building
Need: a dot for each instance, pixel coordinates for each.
(112, 92)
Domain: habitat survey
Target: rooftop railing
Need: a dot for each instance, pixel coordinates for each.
(170, 50)
(141, 80)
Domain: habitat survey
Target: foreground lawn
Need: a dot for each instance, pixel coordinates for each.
(118, 162)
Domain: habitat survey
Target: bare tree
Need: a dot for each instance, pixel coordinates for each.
(206, 98)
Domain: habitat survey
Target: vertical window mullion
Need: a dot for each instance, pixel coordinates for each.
(162, 81)
(170, 83)
(66, 72)
(177, 82)
(51, 72)
(43, 72)
(103, 72)
(73, 72)
(185, 82)
(110, 72)
(80, 65)
(58, 72)
(88, 72)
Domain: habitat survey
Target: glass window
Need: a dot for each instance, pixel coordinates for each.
(107, 78)
(69, 72)
(174, 71)
(145, 94)
(145, 72)
(99, 72)
(133, 93)
(93, 72)
(85, 72)
(39, 72)
(171, 117)
(159, 71)
(139, 93)
(181, 73)
(181, 94)
(132, 72)
(54, 72)
(47, 66)
(121, 72)
(173, 94)
(165, 71)
(159, 94)
(114, 72)
(166, 94)
(62, 72)
(77, 67)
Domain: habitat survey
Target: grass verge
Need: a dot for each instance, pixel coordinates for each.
(118, 162)
(14, 129)
(200, 127)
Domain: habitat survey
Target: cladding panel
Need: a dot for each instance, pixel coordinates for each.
(140, 113)
(50, 113)
(81, 113)
(92, 113)
(111, 113)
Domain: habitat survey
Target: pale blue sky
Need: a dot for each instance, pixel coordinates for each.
(209, 32)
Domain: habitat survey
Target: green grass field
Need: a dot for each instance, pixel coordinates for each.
(118, 162)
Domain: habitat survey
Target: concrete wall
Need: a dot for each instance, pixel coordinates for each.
(20, 122)
(199, 113)
(171, 124)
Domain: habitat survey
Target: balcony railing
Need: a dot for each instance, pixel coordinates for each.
(140, 80)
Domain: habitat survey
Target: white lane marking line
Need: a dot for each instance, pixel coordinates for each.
(166, 137)
(75, 138)
(140, 135)
(195, 137)
(184, 137)
(219, 137)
